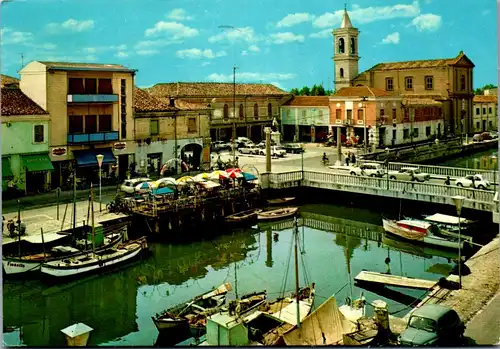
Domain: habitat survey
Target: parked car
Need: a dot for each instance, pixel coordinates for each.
(493, 135)
(243, 140)
(275, 151)
(372, 170)
(294, 148)
(220, 145)
(262, 144)
(474, 181)
(409, 174)
(129, 185)
(249, 149)
(479, 137)
(433, 325)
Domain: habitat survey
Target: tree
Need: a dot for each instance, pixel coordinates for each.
(316, 90)
(305, 91)
(480, 91)
(321, 91)
(295, 92)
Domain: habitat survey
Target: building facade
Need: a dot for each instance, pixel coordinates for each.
(448, 81)
(305, 119)
(90, 108)
(25, 143)
(165, 132)
(246, 107)
(485, 113)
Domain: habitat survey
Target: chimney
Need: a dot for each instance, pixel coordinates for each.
(172, 102)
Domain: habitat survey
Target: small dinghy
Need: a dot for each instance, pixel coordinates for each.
(280, 201)
(245, 217)
(279, 213)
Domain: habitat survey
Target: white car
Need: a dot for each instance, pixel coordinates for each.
(249, 149)
(275, 151)
(409, 174)
(129, 185)
(474, 181)
(372, 170)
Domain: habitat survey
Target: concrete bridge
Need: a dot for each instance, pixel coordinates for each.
(482, 200)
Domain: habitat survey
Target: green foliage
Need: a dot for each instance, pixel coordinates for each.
(480, 90)
(315, 90)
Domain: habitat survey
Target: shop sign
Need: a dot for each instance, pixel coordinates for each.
(120, 146)
(61, 151)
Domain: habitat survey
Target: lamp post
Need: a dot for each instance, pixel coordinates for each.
(234, 115)
(100, 157)
(362, 105)
(387, 166)
(459, 201)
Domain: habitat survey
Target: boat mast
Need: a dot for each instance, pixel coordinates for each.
(19, 226)
(296, 237)
(92, 208)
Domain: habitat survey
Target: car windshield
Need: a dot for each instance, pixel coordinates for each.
(422, 323)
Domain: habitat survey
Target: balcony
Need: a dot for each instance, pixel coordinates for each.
(97, 98)
(98, 137)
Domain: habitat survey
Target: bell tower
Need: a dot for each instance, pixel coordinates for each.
(345, 57)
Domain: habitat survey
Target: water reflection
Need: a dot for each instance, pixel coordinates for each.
(487, 160)
(119, 305)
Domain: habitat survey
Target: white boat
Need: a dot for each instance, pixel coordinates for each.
(95, 262)
(418, 231)
(33, 262)
(450, 223)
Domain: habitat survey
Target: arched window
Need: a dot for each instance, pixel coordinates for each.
(341, 72)
(226, 111)
(256, 110)
(353, 46)
(242, 113)
(341, 45)
(269, 109)
(462, 82)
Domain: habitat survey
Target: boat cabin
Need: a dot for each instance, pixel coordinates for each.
(226, 330)
(415, 226)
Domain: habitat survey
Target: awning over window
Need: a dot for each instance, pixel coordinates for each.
(40, 162)
(6, 170)
(87, 158)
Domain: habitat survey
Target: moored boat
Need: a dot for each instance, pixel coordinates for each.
(244, 217)
(279, 213)
(193, 313)
(95, 261)
(418, 231)
(280, 201)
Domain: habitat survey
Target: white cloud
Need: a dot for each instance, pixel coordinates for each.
(105, 48)
(244, 53)
(178, 14)
(278, 85)
(10, 36)
(147, 52)
(284, 38)
(294, 19)
(253, 48)
(392, 38)
(196, 53)
(204, 64)
(235, 34)
(148, 44)
(369, 14)
(121, 54)
(427, 22)
(173, 30)
(255, 77)
(322, 34)
(70, 25)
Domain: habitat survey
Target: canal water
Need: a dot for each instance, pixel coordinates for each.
(486, 160)
(337, 242)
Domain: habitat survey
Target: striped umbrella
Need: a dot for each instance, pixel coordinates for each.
(219, 175)
(184, 179)
(144, 187)
(233, 170)
(235, 173)
(201, 177)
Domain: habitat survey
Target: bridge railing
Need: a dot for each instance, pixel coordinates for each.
(441, 171)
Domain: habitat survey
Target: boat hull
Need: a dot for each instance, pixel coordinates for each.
(168, 325)
(275, 215)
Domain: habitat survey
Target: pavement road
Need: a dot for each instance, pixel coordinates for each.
(484, 328)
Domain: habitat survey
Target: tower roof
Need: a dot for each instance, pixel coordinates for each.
(346, 21)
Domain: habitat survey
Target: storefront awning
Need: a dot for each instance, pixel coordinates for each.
(87, 158)
(40, 162)
(6, 170)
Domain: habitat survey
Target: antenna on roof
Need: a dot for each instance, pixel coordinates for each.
(22, 60)
(345, 5)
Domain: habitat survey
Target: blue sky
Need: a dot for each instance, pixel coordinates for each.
(288, 43)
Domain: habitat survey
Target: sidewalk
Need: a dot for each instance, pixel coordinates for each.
(50, 198)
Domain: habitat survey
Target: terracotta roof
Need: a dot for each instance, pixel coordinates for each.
(85, 66)
(212, 89)
(145, 102)
(184, 105)
(15, 102)
(485, 99)
(429, 63)
(361, 91)
(9, 80)
(308, 101)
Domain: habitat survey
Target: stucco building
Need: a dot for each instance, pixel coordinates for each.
(485, 113)
(90, 108)
(445, 82)
(305, 118)
(250, 107)
(25, 142)
(167, 131)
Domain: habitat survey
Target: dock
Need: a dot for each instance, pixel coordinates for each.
(394, 280)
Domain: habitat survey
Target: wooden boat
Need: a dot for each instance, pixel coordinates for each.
(249, 216)
(418, 231)
(95, 261)
(192, 313)
(449, 223)
(279, 213)
(33, 262)
(280, 201)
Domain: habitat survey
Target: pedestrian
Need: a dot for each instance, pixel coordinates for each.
(353, 158)
(347, 159)
(447, 180)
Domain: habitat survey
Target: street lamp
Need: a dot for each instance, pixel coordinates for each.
(459, 201)
(362, 105)
(387, 165)
(100, 157)
(234, 115)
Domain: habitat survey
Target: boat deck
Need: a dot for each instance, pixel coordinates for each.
(394, 280)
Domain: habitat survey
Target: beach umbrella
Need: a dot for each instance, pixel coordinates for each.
(184, 179)
(219, 175)
(249, 176)
(201, 177)
(165, 181)
(163, 191)
(234, 174)
(233, 170)
(144, 187)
